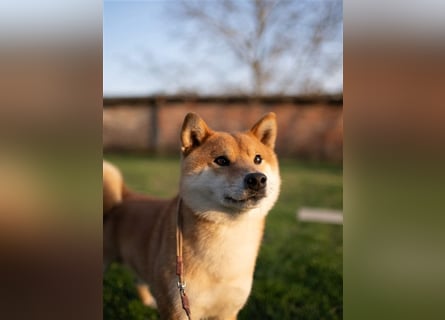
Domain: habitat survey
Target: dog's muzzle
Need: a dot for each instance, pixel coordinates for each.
(254, 190)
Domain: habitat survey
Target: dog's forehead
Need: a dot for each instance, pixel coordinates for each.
(233, 144)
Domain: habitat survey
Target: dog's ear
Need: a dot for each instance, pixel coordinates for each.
(194, 132)
(266, 129)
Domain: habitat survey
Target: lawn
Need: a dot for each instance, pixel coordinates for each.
(299, 268)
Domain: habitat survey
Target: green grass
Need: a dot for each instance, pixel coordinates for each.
(299, 268)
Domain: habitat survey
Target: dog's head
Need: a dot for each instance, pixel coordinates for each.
(229, 173)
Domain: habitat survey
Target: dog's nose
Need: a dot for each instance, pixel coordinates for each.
(255, 181)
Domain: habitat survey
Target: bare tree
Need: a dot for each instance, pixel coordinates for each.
(286, 45)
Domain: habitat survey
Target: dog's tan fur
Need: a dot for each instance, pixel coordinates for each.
(222, 227)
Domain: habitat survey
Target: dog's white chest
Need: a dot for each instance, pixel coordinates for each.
(222, 280)
(219, 301)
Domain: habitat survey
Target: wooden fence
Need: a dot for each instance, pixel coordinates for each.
(310, 127)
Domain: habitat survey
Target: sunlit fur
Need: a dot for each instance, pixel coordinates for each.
(223, 221)
(112, 186)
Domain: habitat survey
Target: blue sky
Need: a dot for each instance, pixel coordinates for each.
(129, 28)
(139, 34)
(143, 53)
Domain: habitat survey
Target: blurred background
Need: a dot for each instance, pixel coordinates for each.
(231, 62)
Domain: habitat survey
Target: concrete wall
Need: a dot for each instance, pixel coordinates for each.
(310, 128)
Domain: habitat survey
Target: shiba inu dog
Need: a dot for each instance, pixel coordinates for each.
(229, 182)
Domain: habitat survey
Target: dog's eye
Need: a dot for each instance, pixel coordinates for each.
(222, 161)
(257, 159)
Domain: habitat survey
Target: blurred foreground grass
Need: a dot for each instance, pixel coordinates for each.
(299, 269)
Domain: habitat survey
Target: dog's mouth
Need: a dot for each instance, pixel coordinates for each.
(247, 200)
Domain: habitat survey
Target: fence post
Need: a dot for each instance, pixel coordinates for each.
(154, 126)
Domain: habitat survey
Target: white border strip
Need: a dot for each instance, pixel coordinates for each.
(320, 215)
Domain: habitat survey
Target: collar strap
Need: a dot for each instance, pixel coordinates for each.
(179, 261)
